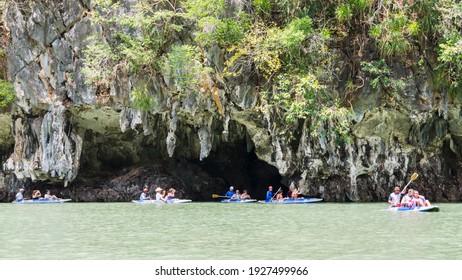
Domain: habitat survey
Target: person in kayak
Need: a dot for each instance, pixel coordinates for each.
(20, 195)
(231, 192)
(269, 194)
(294, 193)
(171, 194)
(279, 195)
(36, 195)
(236, 196)
(419, 200)
(48, 196)
(245, 195)
(407, 199)
(160, 194)
(144, 195)
(395, 197)
(425, 201)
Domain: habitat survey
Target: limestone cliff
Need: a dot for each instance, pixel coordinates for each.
(86, 141)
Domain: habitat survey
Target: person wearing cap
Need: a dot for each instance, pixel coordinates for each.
(144, 195)
(231, 192)
(269, 194)
(159, 194)
(20, 195)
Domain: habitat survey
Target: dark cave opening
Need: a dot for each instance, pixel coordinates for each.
(241, 169)
(108, 159)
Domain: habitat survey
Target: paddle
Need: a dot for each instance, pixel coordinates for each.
(413, 177)
(275, 194)
(217, 196)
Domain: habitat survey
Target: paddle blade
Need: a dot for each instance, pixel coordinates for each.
(215, 195)
(414, 176)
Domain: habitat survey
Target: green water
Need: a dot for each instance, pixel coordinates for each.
(318, 231)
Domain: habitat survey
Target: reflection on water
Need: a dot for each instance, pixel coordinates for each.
(227, 231)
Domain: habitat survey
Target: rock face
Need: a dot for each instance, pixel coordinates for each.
(85, 143)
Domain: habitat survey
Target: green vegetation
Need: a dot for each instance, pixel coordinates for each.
(183, 66)
(6, 93)
(291, 49)
(381, 78)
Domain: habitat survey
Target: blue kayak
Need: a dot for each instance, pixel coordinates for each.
(153, 201)
(41, 201)
(414, 209)
(292, 201)
(238, 200)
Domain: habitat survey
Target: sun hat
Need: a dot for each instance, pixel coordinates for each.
(158, 189)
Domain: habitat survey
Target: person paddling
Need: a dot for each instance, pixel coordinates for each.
(395, 197)
(144, 195)
(269, 194)
(231, 192)
(407, 199)
(160, 194)
(279, 195)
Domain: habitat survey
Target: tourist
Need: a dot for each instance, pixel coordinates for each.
(20, 195)
(269, 194)
(407, 198)
(231, 192)
(48, 196)
(294, 193)
(236, 196)
(144, 195)
(160, 194)
(171, 194)
(395, 197)
(36, 195)
(425, 201)
(279, 195)
(417, 200)
(245, 195)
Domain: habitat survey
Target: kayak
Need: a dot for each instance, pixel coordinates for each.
(414, 209)
(238, 200)
(292, 201)
(41, 201)
(172, 201)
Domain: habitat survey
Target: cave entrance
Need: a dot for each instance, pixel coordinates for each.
(241, 169)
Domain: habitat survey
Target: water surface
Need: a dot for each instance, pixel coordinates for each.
(318, 231)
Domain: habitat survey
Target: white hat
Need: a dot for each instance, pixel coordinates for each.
(21, 189)
(158, 189)
(231, 188)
